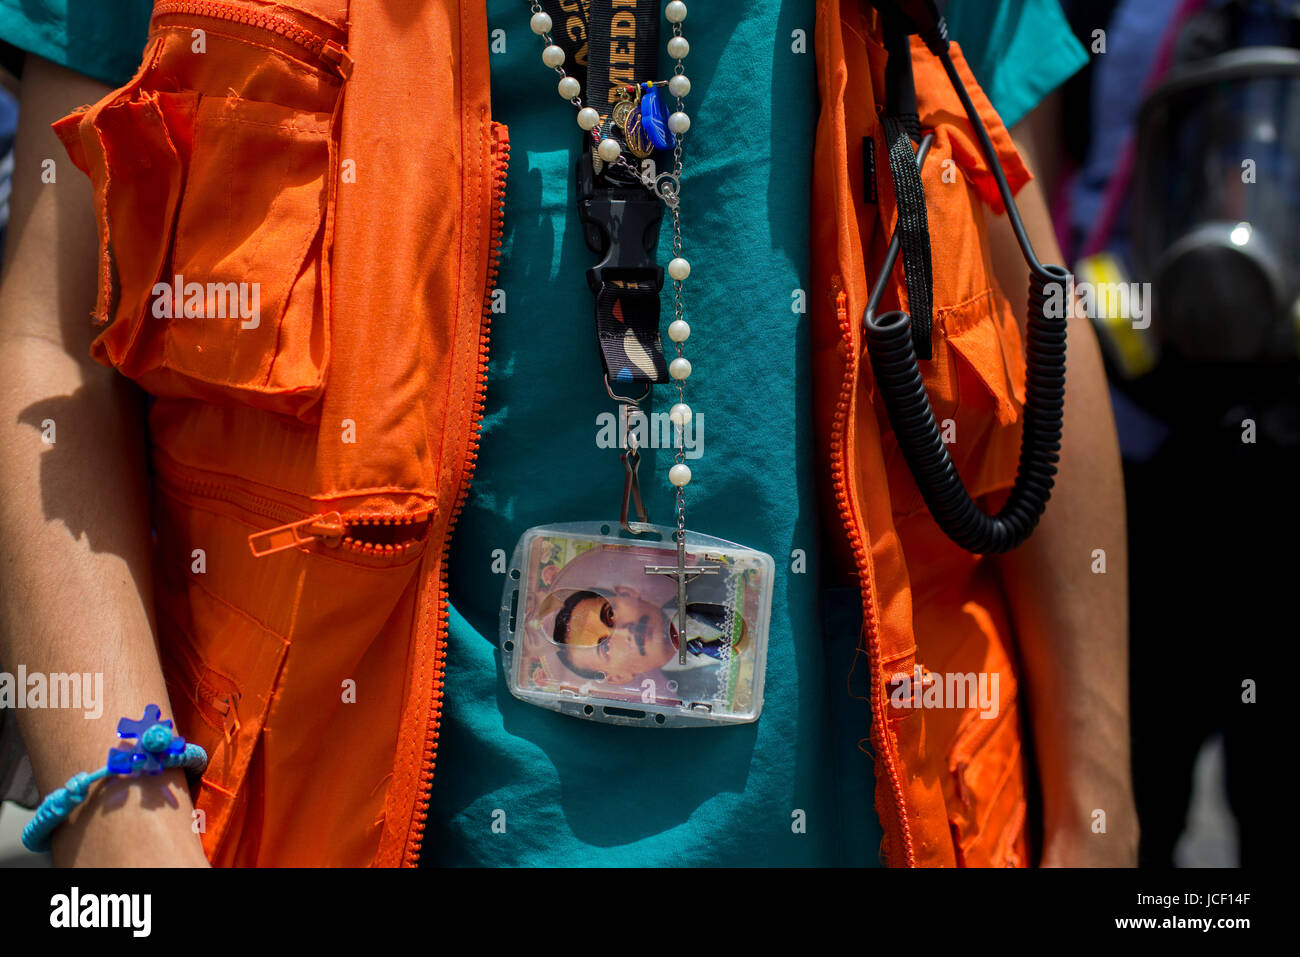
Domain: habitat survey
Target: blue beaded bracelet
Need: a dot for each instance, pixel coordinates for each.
(156, 748)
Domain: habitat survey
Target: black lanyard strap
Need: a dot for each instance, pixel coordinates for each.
(624, 38)
(569, 31)
(902, 126)
(611, 45)
(627, 280)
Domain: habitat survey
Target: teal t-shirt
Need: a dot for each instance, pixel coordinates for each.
(518, 785)
(1020, 51)
(578, 792)
(101, 38)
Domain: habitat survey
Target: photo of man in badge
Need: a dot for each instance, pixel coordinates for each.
(598, 627)
(622, 636)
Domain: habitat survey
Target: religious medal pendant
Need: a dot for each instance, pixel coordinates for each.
(647, 125)
(622, 111)
(635, 132)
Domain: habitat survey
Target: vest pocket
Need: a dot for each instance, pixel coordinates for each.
(976, 387)
(221, 668)
(984, 335)
(213, 278)
(286, 669)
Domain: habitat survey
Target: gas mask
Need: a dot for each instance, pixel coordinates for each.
(1216, 203)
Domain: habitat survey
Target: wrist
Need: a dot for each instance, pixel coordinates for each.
(132, 822)
(98, 817)
(1090, 823)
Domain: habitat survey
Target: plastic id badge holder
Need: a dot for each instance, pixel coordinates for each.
(590, 626)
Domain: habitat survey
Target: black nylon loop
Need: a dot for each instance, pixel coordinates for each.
(627, 328)
(914, 230)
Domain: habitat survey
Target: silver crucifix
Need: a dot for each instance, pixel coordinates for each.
(683, 573)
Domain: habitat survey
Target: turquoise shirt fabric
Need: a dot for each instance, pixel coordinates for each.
(578, 792)
(518, 785)
(1019, 51)
(101, 38)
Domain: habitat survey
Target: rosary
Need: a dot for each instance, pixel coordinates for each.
(640, 115)
(598, 625)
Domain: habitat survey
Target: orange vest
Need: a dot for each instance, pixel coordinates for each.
(312, 439)
(950, 784)
(345, 160)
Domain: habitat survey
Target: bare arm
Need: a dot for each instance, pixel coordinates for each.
(75, 587)
(1072, 623)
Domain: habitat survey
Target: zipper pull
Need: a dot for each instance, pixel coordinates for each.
(337, 57)
(329, 528)
(230, 719)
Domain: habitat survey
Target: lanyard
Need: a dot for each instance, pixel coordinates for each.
(612, 45)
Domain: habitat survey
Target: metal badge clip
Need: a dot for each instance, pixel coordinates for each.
(631, 418)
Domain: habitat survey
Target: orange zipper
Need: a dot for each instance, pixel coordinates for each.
(337, 531)
(848, 516)
(328, 528)
(285, 33)
(500, 163)
(332, 528)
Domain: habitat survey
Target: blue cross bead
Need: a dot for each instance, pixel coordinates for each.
(154, 738)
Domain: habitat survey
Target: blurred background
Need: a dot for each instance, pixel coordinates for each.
(1176, 195)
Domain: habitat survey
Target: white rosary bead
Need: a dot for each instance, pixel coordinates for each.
(569, 87)
(609, 150)
(675, 12)
(680, 368)
(679, 474)
(680, 414)
(679, 122)
(541, 23)
(588, 118)
(679, 85)
(678, 47)
(679, 268)
(553, 56)
(679, 330)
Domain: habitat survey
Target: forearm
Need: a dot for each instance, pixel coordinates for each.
(1067, 588)
(75, 589)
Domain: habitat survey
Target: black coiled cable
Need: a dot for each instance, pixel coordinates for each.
(898, 378)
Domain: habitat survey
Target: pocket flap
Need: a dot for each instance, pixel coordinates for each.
(247, 240)
(211, 189)
(987, 338)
